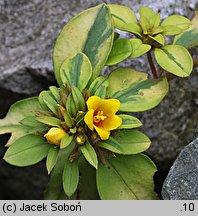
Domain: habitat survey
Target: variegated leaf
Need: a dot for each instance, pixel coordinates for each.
(120, 51)
(134, 90)
(124, 19)
(138, 48)
(90, 32)
(178, 21)
(189, 38)
(175, 59)
(76, 71)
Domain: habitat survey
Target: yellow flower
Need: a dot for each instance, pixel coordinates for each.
(101, 115)
(55, 135)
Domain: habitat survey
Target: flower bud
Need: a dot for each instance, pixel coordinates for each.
(55, 135)
(80, 139)
(94, 136)
(81, 130)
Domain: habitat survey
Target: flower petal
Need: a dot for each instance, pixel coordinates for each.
(94, 102)
(104, 134)
(109, 106)
(111, 123)
(89, 119)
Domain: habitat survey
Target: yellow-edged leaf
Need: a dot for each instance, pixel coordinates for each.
(134, 90)
(178, 21)
(189, 38)
(90, 32)
(138, 48)
(175, 59)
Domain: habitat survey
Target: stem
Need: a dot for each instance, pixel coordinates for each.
(152, 66)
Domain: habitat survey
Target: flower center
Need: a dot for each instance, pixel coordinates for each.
(99, 117)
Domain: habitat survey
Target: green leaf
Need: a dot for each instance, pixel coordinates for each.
(134, 90)
(158, 38)
(21, 109)
(176, 20)
(124, 19)
(41, 101)
(52, 158)
(129, 121)
(175, 59)
(90, 32)
(52, 121)
(138, 48)
(157, 30)
(155, 21)
(67, 140)
(145, 24)
(127, 142)
(27, 150)
(146, 12)
(45, 97)
(87, 188)
(55, 92)
(68, 119)
(71, 106)
(78, 99)
(111, 144)
(134, 28)
(76, 71)
(126, 178)
(101, 92)
(121, 50)
(189, 38)
(171, 30)
(32, 122)
(132, 141)
(102, 89)
(122, 15)
(89, 154)
(80, 118)
(55, 187)
(17, 112)
(70, 177)
(97, 83)
(148, 19)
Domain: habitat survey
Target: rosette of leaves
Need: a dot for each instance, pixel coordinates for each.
(82, 164)
(149, 35)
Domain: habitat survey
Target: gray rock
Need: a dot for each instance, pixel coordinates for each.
(196, 132)
(182, 180)
(28, 32)
(171, 125)
(29, 29)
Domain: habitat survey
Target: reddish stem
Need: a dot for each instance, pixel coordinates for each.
(152, 66)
